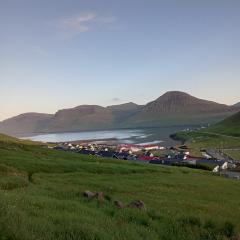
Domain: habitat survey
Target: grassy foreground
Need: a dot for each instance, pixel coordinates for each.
(41, 198)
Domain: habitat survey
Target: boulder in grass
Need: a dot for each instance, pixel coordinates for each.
(236, 237)
(89, 194)
(100, 196)
(138, 204)
(119, 204)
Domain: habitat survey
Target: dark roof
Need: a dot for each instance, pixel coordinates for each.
(84, 151)
(210, 161)
(106, 153)
(146, 158)
(123, 155)
(183, 147)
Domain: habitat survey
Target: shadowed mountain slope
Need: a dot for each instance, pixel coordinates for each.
(85, 117)
(179, 108)
(26, 123)
(171, 109)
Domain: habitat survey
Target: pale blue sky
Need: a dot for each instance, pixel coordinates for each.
(62, 53)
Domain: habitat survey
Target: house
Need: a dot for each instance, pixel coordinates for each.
(121, 155)
(129, 147)
(86, 152)
(206, 155)
(164, 161)
(228, 165)
(216, 169)
(211, 162)
(132, 157)
(106, 154)
(223, 166)
(146, 158)
(149, 154)
(60, 148)
(150, 147)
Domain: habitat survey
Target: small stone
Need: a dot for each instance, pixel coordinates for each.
(138, 204)
(119, 204)
(89, 194)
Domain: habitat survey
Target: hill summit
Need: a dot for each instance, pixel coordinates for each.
(180, 102)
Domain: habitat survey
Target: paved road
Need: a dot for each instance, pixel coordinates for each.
(222, 135)
(218, 154)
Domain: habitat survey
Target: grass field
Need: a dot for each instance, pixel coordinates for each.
(41, 198)
(235, 154)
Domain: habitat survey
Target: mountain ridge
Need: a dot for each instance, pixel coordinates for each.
(30, 122)
(181, 108)
(172, 108)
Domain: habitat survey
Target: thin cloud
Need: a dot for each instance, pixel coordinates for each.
(116, 99)
(83, 22)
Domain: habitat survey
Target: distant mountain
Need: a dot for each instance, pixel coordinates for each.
(124, 111)
(26, 123)
(85, 117)
(180, 102)
(125, 107)
(179, 108)
(171, 109)
(237, 105)
(229, 126)
(91, 117)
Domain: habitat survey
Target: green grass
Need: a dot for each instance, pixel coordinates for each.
(41, 198)
(235, 154)
(229, 126)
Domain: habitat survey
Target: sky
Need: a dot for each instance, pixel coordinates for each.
(57, 54)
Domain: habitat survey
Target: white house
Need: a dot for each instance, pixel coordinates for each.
(150, 147)
(216, 169)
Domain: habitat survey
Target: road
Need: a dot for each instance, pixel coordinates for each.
(222, 135)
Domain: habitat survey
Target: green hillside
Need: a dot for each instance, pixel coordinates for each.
(41, 198)
(229, 126)
(224, 135)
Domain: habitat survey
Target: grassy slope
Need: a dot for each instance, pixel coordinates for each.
(224, 135)
(41, 198)
(229, 126)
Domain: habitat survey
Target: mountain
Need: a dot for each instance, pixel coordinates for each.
(85, 117)
(180, 102)
(125, 107)
(171, 109)
(179, 108)
(124, 111)
(237, 105)
(229, 126)
(25, 123)
(91, 117)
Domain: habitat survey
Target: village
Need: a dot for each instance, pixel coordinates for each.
(157, 154)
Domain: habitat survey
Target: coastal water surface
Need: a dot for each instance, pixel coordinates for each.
(138, 136)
